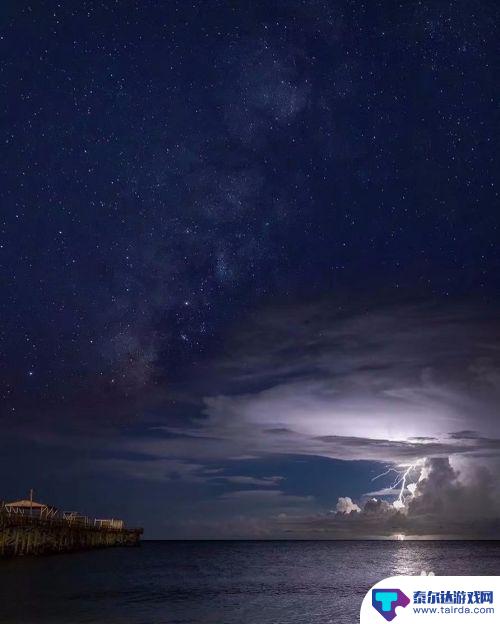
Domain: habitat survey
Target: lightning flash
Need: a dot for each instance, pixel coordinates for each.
(401, 482)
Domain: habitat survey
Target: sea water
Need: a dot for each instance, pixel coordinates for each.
(222, 582)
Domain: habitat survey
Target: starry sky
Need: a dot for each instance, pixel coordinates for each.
(250, 265)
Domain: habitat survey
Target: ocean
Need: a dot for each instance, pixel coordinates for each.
(222, 582)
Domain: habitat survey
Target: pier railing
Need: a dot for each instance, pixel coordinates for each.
(8, 517)
(25, 534)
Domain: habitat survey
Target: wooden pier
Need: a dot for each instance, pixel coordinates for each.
(47, 532)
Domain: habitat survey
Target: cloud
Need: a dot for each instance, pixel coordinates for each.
(346, 506)
(146, 469)
(397, 383)
(246, 480)
(444, 502)
(273, 497)
(391, 384)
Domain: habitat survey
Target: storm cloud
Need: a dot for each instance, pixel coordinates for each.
(444, 503)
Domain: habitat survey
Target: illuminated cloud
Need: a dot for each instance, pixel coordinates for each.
(444, 503)
(346, 506)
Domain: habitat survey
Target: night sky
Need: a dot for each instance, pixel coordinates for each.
(249, 262)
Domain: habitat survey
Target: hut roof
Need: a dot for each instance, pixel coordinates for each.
(27, 504)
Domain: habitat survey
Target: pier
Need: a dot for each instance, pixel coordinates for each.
(31, 528)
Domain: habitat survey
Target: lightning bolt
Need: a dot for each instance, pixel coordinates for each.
(383, 474)
(400, 481)
(400, 501)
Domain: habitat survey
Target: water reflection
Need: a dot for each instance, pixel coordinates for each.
(409, 559)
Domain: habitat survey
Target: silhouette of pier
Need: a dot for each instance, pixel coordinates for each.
(31, 528)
